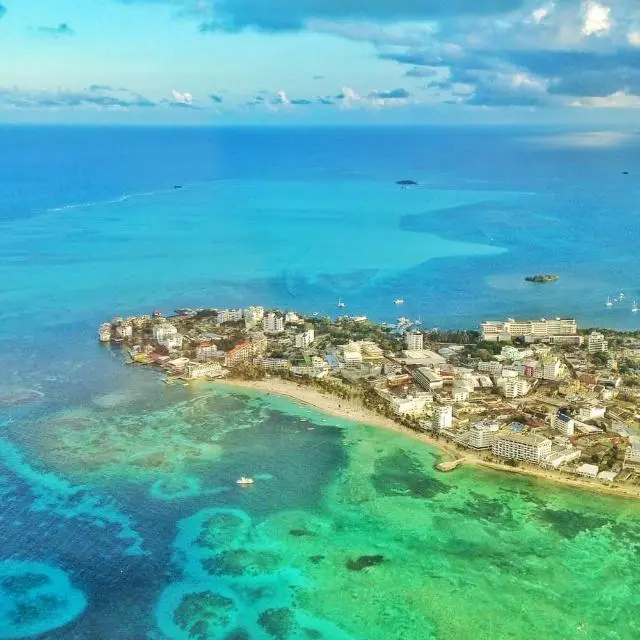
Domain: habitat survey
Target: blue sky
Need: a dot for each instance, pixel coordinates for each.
(320, 61)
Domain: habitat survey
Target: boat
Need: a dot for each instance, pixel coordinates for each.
(244, 481)
(621, 296)
(399, 301)
(341, 305)
(609, 302)
(635, 307)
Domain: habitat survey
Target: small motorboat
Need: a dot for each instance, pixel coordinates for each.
(399, 301)
(244, 481)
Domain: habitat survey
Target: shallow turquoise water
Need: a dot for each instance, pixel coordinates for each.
(115, 485)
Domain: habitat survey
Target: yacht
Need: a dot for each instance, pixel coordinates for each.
(621, 296)
(635, 307)
(399, 301)
(341, 305)
(609, 302)
(244, 481)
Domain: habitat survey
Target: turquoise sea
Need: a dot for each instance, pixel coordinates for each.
(118, 505)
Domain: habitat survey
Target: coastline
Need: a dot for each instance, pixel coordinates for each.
(447, 451)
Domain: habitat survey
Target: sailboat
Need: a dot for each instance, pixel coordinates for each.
(341, 305)
(399, 301)
(635, 307)
(609, 302)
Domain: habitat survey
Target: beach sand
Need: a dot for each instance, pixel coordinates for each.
(356, 412)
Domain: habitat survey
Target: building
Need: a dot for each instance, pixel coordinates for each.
(305, 339)
(564, 424)
(415, 341)
(246, 351)
(352, 359)
(206, 350)
(371, 352)
(273, 323)
(124, 331)
(173, 342)
(253, 316)
(428, 378)
(520, 446)
(596, 343)
(273, 364)
(531, 330)
(515, 387)
(560, 456)
(163, 331)
(493, 368)
(409, 406)
(482, 435)
(442, 418)
(229, 315)
(292, 318)
(587, 470)
(104, 333)
(204, 370)
(459, 395)
(551, 369)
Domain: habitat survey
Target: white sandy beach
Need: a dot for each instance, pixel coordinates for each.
(358, 413)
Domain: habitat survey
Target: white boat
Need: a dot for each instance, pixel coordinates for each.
(621, 296)
(609, 302)
(341, 305)
(635, 307)
(244, 481)
(399, 301)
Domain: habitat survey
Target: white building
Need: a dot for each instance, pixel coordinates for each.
(531, 330)
(273, 364)
(564, 424)
(305, 339)
(124, 330)
(206, 350)
(415, 341)
(492, 368)
(560, 456)
(163, 331)
(442, 418)
(292, 318)
(482, 435)
(173, 342)
(273, 323)
(596, 343)
(352, 359)
(409, 406)
(515, 387)
(229, 315)
(204, 370)
(551, 369)
(428, 378)
(587, 470)
(459, 395)
(253, 316)
(520, 446)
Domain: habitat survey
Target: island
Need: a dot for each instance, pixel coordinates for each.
(543, 278)
(539, 398)
(406, 183)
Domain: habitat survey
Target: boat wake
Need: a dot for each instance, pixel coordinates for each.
(118, 200)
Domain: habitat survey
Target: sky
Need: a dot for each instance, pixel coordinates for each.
(320, 61)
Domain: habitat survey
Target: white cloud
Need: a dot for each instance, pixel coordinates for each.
(541, 13)
(591, 139)
(597, 18)
(618, 100)
(182, 98)
(281, 98)
(633, 38)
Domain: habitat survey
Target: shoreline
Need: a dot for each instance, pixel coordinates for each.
(445, 450)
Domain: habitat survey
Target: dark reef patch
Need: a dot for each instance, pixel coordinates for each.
(569, 524)
(278, 623)
(401, 474)
(363, 562)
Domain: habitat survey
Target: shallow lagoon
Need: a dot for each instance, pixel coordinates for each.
(348, 531)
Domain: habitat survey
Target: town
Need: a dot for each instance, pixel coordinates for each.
(520, 393)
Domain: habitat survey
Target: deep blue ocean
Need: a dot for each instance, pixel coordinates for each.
(92, 225)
